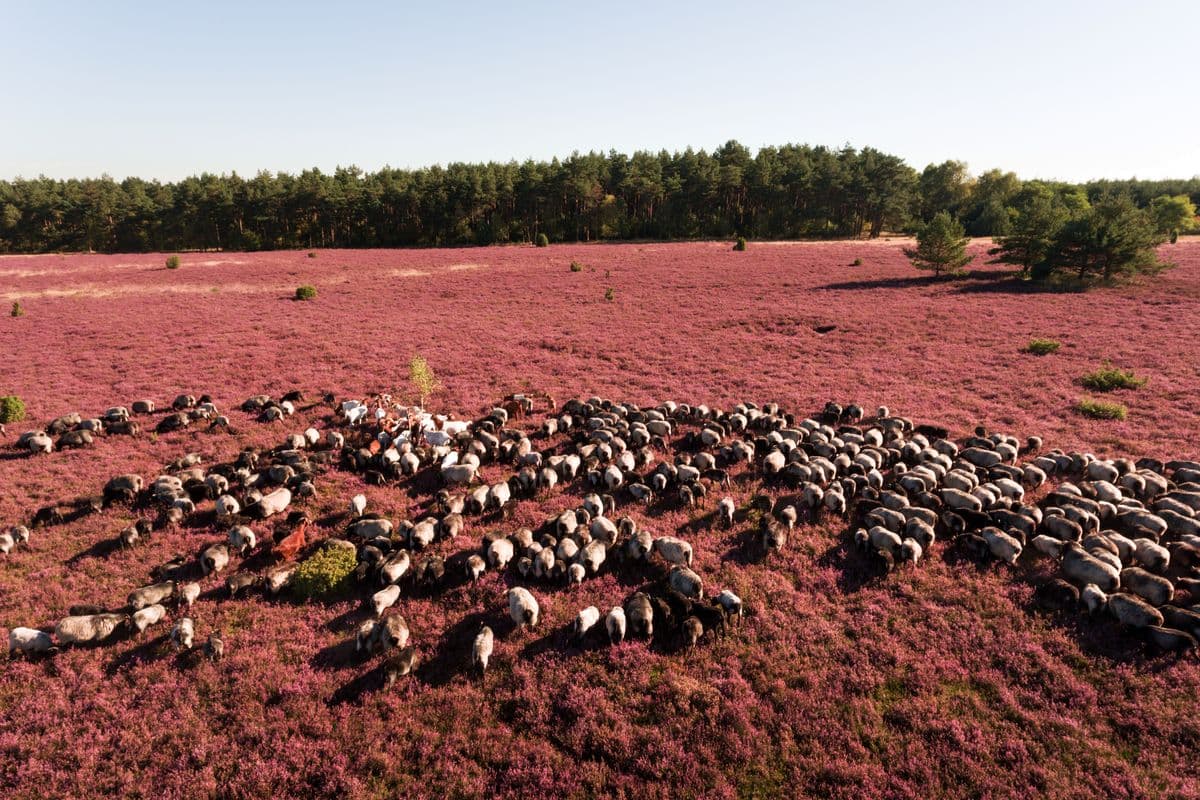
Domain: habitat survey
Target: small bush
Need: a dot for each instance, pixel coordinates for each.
(542, 240)
(1042, 347)
(422, 377)
(173, 262)
(856, 262)
(576, 266)
(324, 573)
(306, 292)
(1109, 378)
(12, 409)
(609, 294)
(1101, 409)
(18, 310)
(311, 254)
(740, 244)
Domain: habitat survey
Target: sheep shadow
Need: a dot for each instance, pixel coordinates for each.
(146, 651)
(336, 656)
(854, 571)
(104, 548)
(353, 691)
(452, 655)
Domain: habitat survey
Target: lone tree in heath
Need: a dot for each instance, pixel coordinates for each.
(423, 380)
(941, 246)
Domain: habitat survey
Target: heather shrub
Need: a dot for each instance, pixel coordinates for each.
(609, 294)
(1109, 378)
(542, 240)
(576, 266)
(740, 244)
(18, 310)
(422, 377)
(1042, 347)
(306, 292)
(324, 573)
(12, 409)
(1101, 409)
(173, 262)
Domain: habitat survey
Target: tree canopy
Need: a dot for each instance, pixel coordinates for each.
(941, 246)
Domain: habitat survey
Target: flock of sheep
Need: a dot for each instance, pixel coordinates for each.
(1124, 536)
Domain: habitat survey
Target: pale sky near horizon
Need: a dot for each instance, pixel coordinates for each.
(1061, 89)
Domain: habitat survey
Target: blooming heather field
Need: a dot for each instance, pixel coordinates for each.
(940, 680)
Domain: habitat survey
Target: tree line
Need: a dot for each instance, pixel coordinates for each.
(793, 191)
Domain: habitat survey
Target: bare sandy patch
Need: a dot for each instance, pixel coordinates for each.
(93, 291)
(464, 267)
(408, 273)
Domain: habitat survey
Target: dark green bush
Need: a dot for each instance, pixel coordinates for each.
(542, 240)
(173, 262)
(324, 573)
(856, 262)
(576, 266)
(306, 292)
(609, 294)
(1042, 347)
(1109, 378)
(12, 409)
(740, 244)
(1100, 409)
(312, 254)
(18, 310)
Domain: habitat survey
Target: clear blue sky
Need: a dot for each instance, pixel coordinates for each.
(1054, 89)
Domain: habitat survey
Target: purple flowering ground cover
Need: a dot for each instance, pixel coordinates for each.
(939, 681)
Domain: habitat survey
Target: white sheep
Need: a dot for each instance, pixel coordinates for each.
(183, 634)
(1004, 547)
(673, 550)
(188, 593)
(482, 648)
(499, 554)
(615, 624)
(1092, 598)
(385, 598)
(28, 641)
(242, 539)
(150, 615)
(358, 505)
(584, 622)
(523, 607)
(686, 582)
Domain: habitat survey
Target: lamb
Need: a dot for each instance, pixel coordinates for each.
(183, 634)
(686, 582)
(28, 641)
(614, 623)
(674, 551)
(384, 599)
(584, 622)
(148, 615)
(523, 607)
(399, 664)
(481, 650)
(691, 632)
(150, 595)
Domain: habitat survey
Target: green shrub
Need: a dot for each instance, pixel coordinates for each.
(173, 262)
(324, 573)
(306, 292)
(740, 244)
(12, 409)
(542, 240)
(856, 262)
(609, 294)
(1100, 409)
(311, 254)
(1042, 347)
(1109, 378)
(576, 266)
(423, 378)
(18, 310)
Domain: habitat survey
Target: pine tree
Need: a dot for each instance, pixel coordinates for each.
(941, 246)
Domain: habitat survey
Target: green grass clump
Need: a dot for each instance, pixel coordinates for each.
(173, 262)
(609, 294)
(542, 240)
(306, 292)
(1109, 378)
(1101, 409)
(1042, 347)
(18, 310)
(576, 266)
(12, 409)
(740, 244)
(324, 573)
(856, 262)
(311, 254)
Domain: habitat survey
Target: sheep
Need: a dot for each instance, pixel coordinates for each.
(1170, 639)
(396, 566)
(614, 623)
(148, 615)
(188, 593)
(7, 542)
(214, 648)
(523, 607)
(883, 539)
(593, 555)
(584, 622)
(1082, 567)
(227, 506)
(150, 595)
(1057, 595)
(1004, 547)
(1152, 555)
(1152, 588)
(640, 614)
(29, 641)
(691, 631)
(686, 582)
(38, 443)
(1092, 598)
(910, 550)
(279, 578)
(575, 574)
(423, 533)
(1133, 611)
(481, 650)
(673, 551)
(399, 664)
(273, 503)
(390, 632)
(242, 539)
(239, 581)
(214, 558)
(499, 554)
(1048, 546)
(725, 511)
(183, 634)
(384, 599)
(773, 535)
(364, 639)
